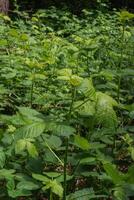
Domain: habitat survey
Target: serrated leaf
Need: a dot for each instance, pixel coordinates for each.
(105, 114)
(85, 109)
(30, 131)
(87, 89)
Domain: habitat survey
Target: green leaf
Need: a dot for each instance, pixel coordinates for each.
(88, 160)
(26, 111)
(65, 72)
(105, 114)
(40, 177)
(54, 141)
(115, 175)
(132, 153)
(2, 158)
(62, 130)
(119, 193)
(18, 193)
(52, 174)
(130, 175)
(85, 109)
(87, 88)
(3, 42)
(10, 184)
(84, 194)
(20, 146)
(27, 185)
(55, 187)
(31, 149)
(30, 131)
(75, 80)
(81, 142)
(7, 173)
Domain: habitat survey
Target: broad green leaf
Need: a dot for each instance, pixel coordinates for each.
(27, 185)
(31, 148)
(88, 160)
(52, 174)
(40, 177)
(85, 109)
(19, 193)
(26, 111)
(10, 184)
(3, 42)
(81, 142)
(105, 114)
(64, 78)
(87, 89)
(119, 193)
(39, 76)
(83, 194)
(7, 173)
(20, 145)
(75, 80)
(54, 141)
(55, 187)
(30, 131)
(62, 130)
(115, 175)
(61, 178)
(65, 72)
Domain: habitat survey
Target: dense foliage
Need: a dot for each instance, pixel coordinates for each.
(66, 106)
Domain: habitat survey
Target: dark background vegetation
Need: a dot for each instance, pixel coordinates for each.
(74, 5)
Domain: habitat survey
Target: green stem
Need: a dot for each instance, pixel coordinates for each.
(66, 146)
(32, 90)
(51, 195)
(54, 154)
(120, 64)
(65, 169)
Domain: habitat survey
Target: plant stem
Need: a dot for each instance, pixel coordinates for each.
(65, 169)
(31, 97)
(54, 154)
(51, 195)
(66, 146)
(120, 64)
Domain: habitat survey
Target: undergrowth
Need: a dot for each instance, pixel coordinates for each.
(66, 106)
